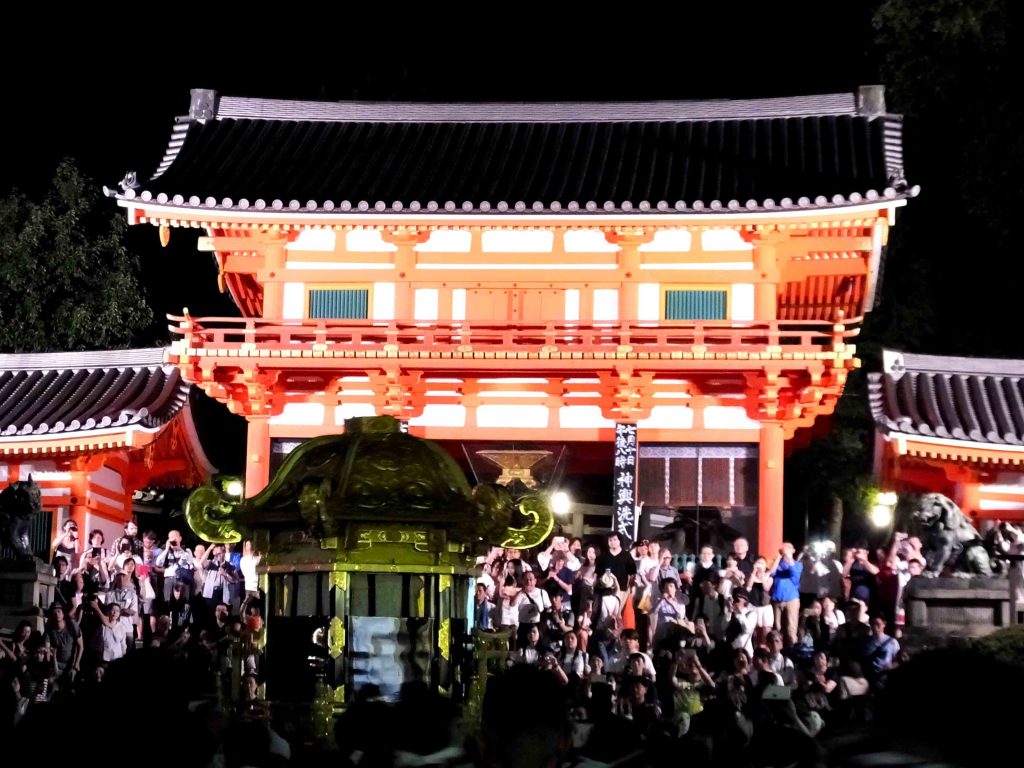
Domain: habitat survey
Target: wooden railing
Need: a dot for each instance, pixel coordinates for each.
(230, 333)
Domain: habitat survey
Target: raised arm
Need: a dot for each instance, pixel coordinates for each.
(95, 605)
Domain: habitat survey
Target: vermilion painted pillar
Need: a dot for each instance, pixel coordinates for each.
(766, 289)
(273, 286)
(257, 455)
(405, 265)
(969, 497)
(769, 525)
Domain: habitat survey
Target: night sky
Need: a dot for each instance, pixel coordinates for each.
(108, 98)
(111, 101)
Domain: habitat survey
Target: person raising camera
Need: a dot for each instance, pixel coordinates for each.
(177, 564)
(67, 544)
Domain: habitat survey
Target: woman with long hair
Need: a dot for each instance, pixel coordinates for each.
(586, 579)
(759, 587)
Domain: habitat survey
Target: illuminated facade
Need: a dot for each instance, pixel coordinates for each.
(91, 428)
(689, 274)
(952, 425)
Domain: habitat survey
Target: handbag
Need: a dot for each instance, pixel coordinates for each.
(645, 604)
(529, 613)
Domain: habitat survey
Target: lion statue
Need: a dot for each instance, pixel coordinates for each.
(950, 541)
(19, 502)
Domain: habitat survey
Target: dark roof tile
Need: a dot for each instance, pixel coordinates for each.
(722, 156)
(959, 398)
(79, 391)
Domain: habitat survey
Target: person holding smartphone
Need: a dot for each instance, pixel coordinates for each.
(68, 545)
(177, 564)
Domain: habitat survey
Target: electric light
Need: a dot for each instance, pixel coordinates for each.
(560, 503)
(887, 498)
(881, 515)
(234, 488)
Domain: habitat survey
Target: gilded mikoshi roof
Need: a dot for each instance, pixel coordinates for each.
(709, 157)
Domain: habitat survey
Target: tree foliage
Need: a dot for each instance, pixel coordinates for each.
(952, 69)
(67, 282)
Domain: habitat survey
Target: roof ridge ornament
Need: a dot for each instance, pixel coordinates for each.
(130, 181)
(203, 106)
(871, 101)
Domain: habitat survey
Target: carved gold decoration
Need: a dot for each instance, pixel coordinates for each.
(367, 537)
(444, 638)
(209, 512)
(536, 508)
(516, 465)
(322, 713)
(339, 580)
(339, 695)
(373, 486)
(489, 648)
(336, 638)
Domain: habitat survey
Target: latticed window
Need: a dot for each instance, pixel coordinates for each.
(339, 303)
(696, 304)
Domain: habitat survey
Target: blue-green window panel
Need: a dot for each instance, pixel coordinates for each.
(696, 305)
(339, 303)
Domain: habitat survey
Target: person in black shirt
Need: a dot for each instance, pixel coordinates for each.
(744, 559)
(705, 570)
(618, 561)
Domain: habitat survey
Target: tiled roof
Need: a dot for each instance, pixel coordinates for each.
(959, 398)
(658, 157)
(67, 392)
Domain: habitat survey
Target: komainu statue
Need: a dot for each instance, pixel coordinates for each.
(950, 541)
(19, 502)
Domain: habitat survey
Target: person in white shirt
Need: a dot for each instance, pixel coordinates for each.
(558, 544)
(573, 658)
(777, 662)
(115, 636)
(741, 621)
(762, 674)
(534, 602)
(178, 565)
(831, 616)
(530, 652)
(630, 645)
(216, 577)
(124, 596)
(508, 609)
(491, 575)
(247, 565)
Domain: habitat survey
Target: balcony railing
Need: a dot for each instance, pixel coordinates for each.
(258, 336)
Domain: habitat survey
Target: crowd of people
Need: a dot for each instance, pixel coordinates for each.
(201, 606)
(729, 652)
(717, 657)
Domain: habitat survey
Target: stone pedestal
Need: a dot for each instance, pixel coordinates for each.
(949, 611)
(26, 591)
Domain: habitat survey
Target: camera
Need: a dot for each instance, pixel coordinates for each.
(95, 551)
